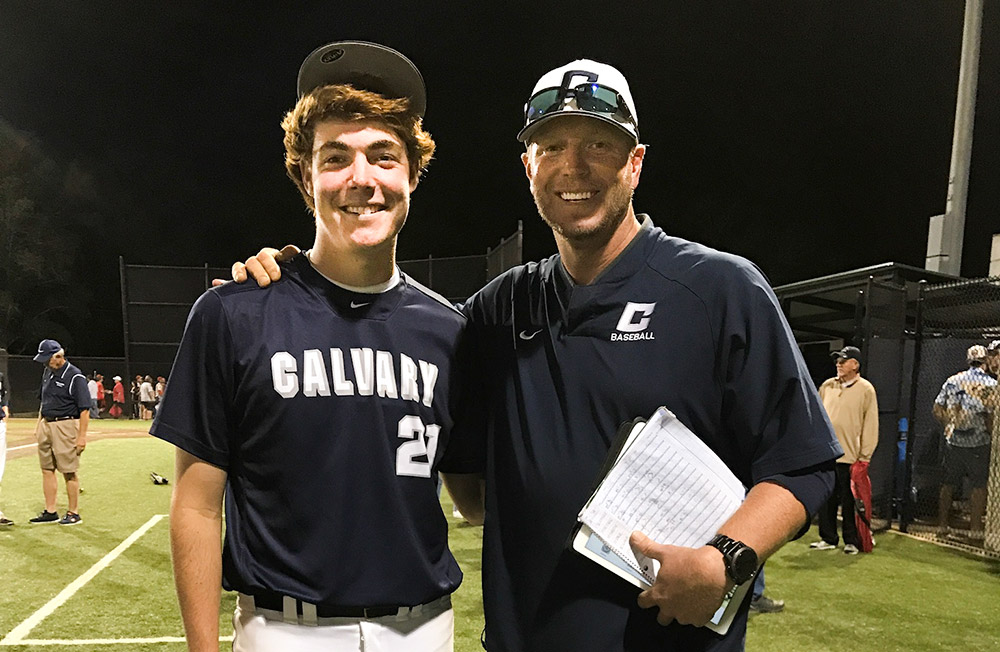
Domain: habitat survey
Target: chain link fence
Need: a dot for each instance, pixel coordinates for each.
(953, 462)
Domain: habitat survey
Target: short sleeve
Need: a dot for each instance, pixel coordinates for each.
(769, 399)
(194, 413)
(81, 393)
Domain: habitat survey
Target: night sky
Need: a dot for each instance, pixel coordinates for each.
(810, 137)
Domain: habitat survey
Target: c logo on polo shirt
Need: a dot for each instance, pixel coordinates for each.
(634, 321)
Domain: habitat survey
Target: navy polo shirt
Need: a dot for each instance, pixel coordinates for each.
(330, 411)
(560, 366)
(64, 392)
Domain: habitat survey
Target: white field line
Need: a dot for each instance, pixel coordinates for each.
(17, 448)
(16, 635)
(111, 641)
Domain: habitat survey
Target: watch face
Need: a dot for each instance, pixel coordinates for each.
(744, 564)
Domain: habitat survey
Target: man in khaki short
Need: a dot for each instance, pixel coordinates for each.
(61, 431)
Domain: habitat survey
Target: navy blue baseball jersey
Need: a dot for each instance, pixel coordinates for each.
(64, 392)
(561, 366)
(330, 411)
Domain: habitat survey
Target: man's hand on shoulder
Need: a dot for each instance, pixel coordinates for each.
(263, 267)
(690, 584)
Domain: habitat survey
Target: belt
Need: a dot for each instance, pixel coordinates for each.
(277, 602)
(51, 419)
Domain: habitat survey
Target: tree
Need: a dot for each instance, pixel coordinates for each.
(41, 216)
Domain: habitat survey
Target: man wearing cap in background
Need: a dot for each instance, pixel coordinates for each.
(323, 424)
(965, 408)
(117, 399)
(852, 407)
(61, 431)
(623, 320)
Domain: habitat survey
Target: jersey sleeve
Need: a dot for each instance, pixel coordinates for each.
(769, 399)
(194, 413)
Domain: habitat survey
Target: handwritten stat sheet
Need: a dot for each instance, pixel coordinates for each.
(666, 483)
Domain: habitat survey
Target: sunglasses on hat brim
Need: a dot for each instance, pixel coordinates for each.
(589, 97)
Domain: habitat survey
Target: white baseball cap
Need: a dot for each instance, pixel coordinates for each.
(976, 353)
(367, 66)
(582, 87)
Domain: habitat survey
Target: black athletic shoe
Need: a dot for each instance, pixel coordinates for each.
(45, 517)
(5, 522)
(766, 605)
(71, 518)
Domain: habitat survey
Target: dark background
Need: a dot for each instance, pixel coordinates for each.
(810, 137)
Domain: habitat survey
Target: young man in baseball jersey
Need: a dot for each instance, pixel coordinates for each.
(322, 405)
(623, 320)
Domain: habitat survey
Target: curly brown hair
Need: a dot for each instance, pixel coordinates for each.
(344, 102)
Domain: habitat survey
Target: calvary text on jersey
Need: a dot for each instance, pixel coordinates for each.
(373, 372)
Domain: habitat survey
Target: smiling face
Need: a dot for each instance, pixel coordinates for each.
(582, 173)
(359, 179)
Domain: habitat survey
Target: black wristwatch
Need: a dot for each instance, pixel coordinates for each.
(741, 559)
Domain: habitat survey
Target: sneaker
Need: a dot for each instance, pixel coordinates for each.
(850, 549)
(766, 605)
(45, 517)
(5, 522)
(456, 513)
(71, 518)
(822, 545)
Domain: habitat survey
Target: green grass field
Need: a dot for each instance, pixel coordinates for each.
(907, 596)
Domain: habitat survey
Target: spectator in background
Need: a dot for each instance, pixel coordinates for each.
(136, 405)
(993, 358)
(101, 394)
(964, 406)
(161, 385)
(147, 397)
(118, 399)
(852, 406)
(4, 413)
(92, 390)
(61, 431)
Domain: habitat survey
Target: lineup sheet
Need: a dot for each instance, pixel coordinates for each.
(666, 483)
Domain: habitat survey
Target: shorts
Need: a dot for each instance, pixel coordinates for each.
(57, 445)
(972, 461)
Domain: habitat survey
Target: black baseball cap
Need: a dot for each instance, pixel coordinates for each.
(367, 66)
(847, 353)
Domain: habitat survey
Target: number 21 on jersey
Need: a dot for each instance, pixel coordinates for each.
(421, 442)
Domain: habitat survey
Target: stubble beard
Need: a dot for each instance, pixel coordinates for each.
(618, 200)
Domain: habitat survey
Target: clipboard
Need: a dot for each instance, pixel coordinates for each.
(641, 571)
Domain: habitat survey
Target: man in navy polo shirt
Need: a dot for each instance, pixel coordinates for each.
(321, 406)
(61, 431)
(624, 319)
